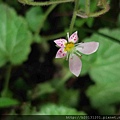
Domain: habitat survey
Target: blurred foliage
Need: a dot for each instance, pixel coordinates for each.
(69, 97)
(7, 102)
(104, 94)
(51, 109)
(42, 85)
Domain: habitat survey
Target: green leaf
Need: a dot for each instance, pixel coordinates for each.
(104, 65)
(102, 95)
(15, 39)
(90, 22)
(79, 22)
(52, 109)
(7, 102)
(34, 18)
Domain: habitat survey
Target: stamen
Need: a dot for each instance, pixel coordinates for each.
(78, 45)
(82, 47)
(68, 35)
(78, 53)
(67, 56)
(71, 56)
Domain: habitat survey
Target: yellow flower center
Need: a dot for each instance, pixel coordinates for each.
(69, 46)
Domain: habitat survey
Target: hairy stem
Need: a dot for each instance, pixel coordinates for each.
(87, 7)
(102, 3)
(43, 3)
(54, 36)
(104, 10)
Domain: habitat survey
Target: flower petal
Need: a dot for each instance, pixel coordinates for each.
(75, 64)
(61, 42)
(88, 47)
(73, 38)
(61, 53)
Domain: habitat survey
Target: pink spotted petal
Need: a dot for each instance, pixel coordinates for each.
(75, 64)
(61, 53)
(88, 47)
(73, 38)
(60, 42)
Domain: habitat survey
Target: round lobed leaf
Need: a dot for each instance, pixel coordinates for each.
(52, 109)
(102, 95)
(34, 18)
(104, 65)
(15, 38)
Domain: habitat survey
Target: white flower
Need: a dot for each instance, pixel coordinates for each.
(72, 51)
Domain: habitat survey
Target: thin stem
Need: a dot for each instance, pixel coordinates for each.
(96, 14)
(87, 7)
(49, 10)
(54, 36)
(64, 79)
(104, 2)
(74, 16)
(43, 3)
(101, 3)
(6, 84)
(68, 36)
